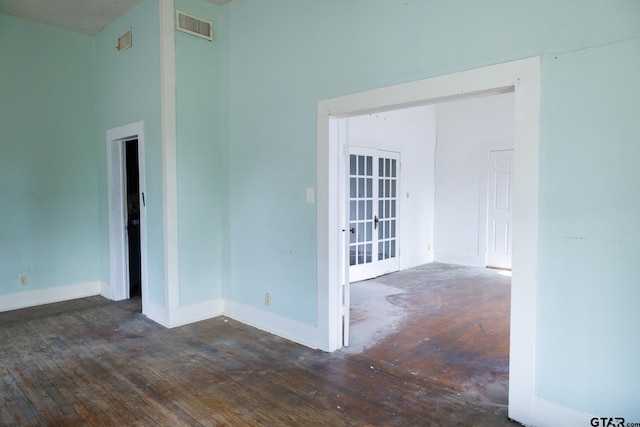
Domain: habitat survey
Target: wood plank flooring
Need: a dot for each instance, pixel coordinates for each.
(102, 363)
(455, 331)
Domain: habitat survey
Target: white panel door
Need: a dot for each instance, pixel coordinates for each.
(373, 213)
(499, 209)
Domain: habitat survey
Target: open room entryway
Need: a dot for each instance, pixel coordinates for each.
(127, 218)
(521, 78)
(438, 322)
(132, 178)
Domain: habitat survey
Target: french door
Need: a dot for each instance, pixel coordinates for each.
(373, 213)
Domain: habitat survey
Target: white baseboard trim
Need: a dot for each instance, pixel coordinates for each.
(196, 312)
(106, 290)
(276, 324)
(156, 312)
(49, 295)
(182, 315)
(550, 414)
(468, 260)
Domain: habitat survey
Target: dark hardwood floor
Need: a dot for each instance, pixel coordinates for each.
(96, 362)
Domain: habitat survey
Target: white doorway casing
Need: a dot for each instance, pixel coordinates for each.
(118, 251)
(522, 77)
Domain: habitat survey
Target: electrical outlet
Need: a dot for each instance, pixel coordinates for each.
(267, 299)
(22, 280)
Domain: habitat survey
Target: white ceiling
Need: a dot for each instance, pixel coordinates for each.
(81, 16)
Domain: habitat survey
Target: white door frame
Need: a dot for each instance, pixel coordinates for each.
(118, 250)
(522, 77)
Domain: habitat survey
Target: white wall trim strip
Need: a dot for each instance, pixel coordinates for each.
(470, 260)
(290, 329)
(106, 290)
(169, 165)
(50, 295)
(196, 312)
(276, 324)
(156, 313)
(549, 414)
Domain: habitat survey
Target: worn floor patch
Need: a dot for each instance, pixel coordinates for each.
(373, 315)
(441, 323)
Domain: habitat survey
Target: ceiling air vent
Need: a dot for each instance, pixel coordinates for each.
(195, 26)
(124, 41)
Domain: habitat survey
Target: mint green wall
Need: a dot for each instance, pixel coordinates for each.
(285, 55)
(589, 276)
(242, 209)
(127, 90)
(48, 179)
(200, 176)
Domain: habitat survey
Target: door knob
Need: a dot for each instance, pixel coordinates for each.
(375, 222)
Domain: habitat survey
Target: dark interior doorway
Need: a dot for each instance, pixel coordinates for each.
(132, 178)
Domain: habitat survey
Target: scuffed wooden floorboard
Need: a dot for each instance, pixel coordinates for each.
(103, 363)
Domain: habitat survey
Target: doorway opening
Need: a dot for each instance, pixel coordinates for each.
(127, 213)
(523, 78)
(441, 322)
(132, 184)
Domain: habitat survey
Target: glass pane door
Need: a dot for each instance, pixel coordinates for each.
(360, 209)
(373, 212)
(387, 207)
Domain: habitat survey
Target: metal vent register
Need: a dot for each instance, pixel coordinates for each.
(124, 41)
(194, 26)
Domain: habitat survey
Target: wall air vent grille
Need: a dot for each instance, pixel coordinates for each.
(124, 41)
(195, 26)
